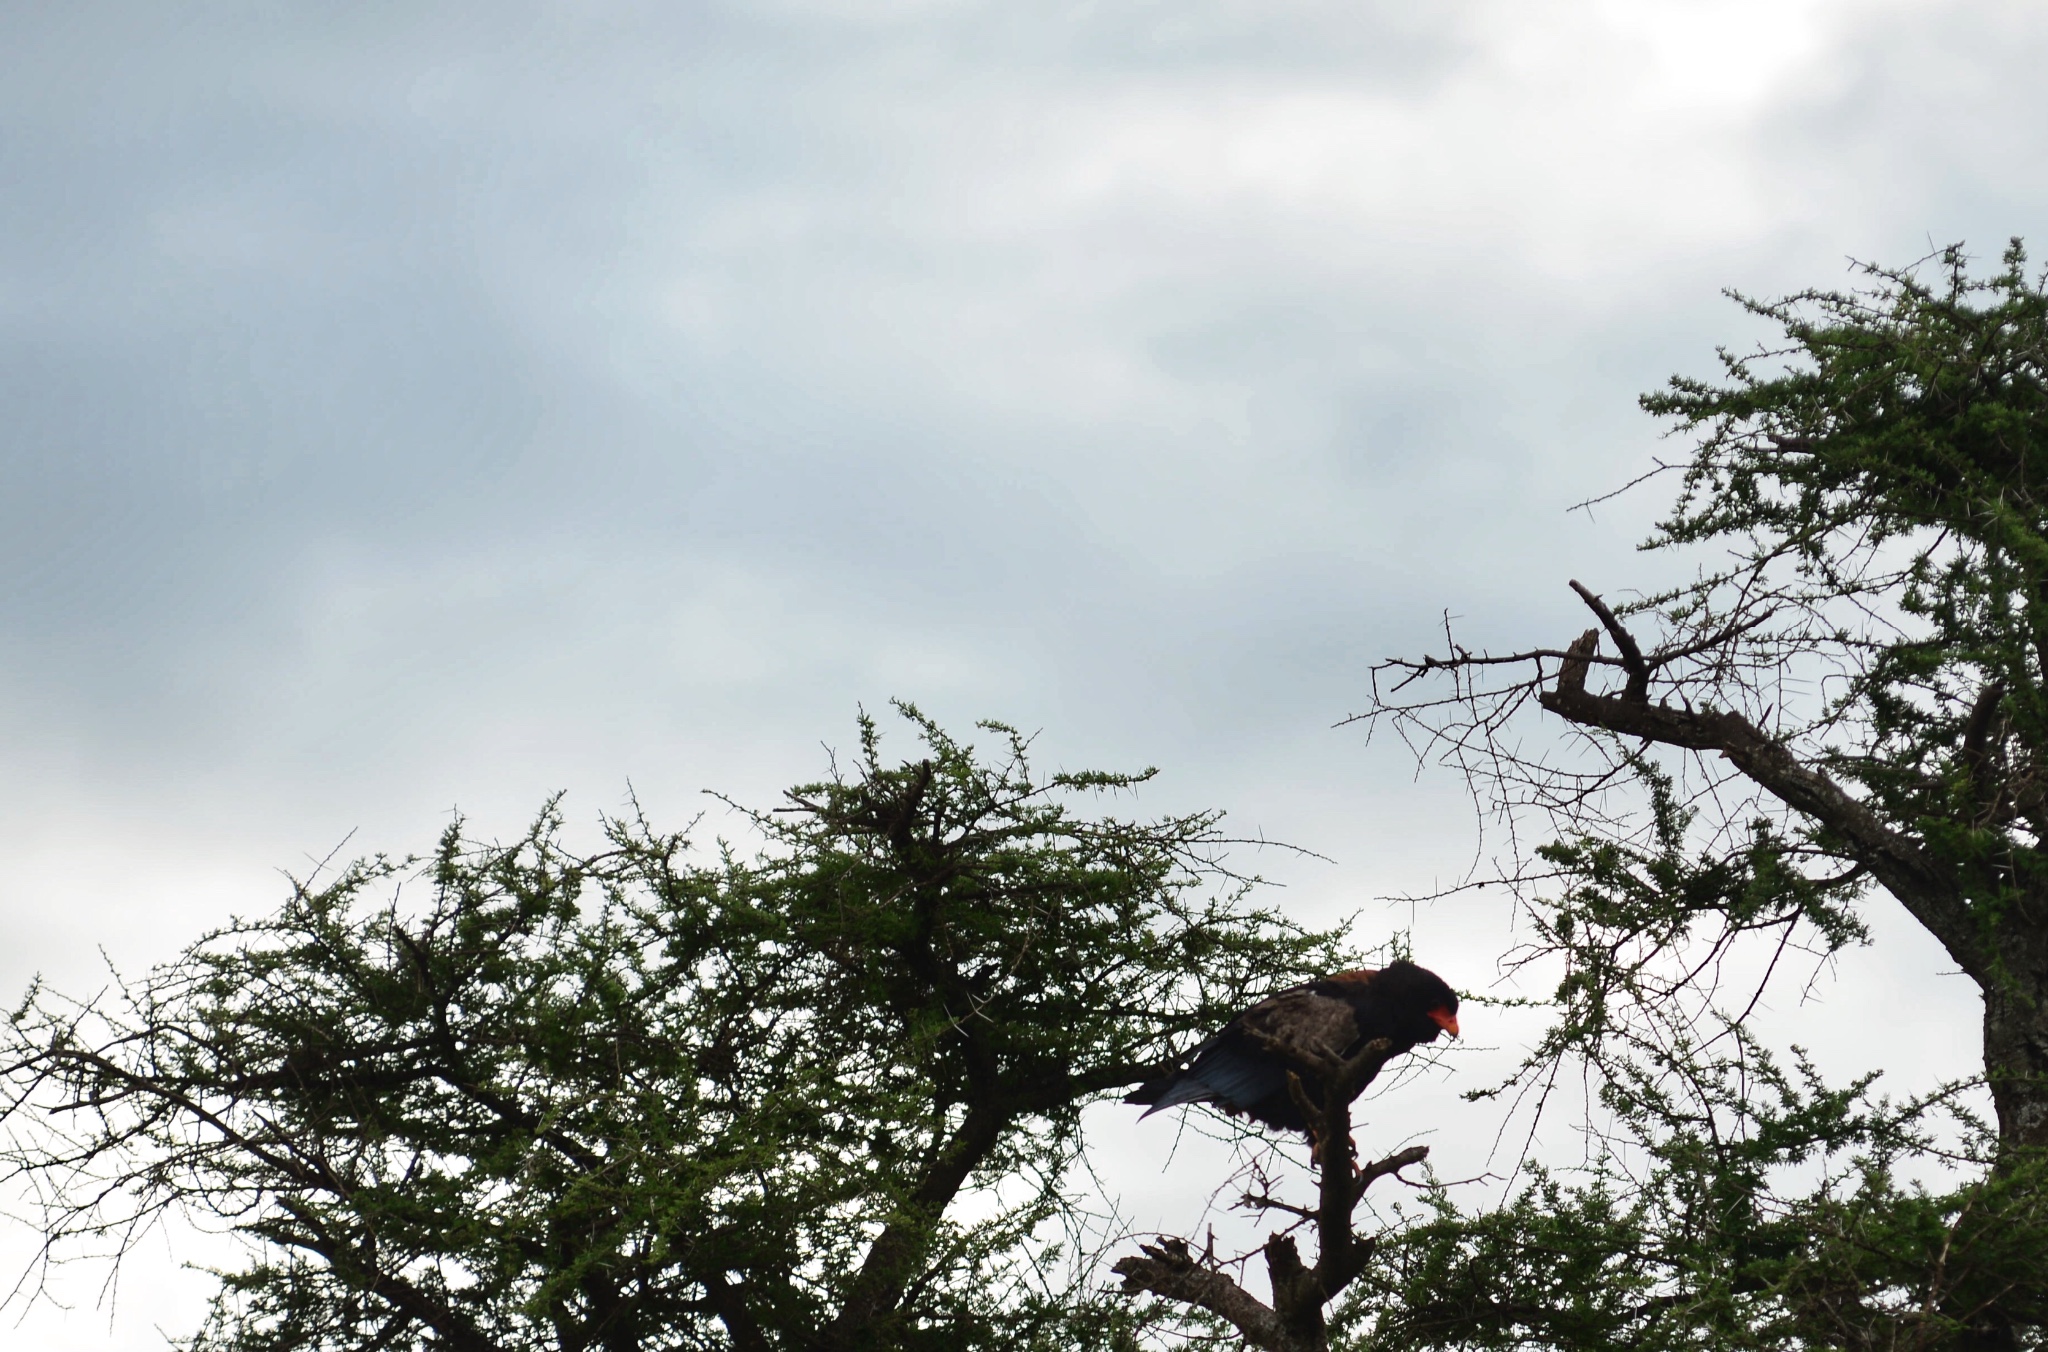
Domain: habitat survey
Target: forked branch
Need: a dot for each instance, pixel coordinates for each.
(1467, 724)
(1294, 1321)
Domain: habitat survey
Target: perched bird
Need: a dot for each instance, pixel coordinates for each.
(1337, 1016)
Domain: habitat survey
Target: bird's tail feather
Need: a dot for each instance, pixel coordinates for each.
(1184, 1090)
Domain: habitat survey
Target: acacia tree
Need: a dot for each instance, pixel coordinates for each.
(1849, 700)
(513, 1097)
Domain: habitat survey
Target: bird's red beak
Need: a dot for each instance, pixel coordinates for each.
(1444, 1019)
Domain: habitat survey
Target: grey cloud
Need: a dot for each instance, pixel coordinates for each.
(410, 405)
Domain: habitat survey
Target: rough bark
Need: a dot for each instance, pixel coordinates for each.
(2016, 1034)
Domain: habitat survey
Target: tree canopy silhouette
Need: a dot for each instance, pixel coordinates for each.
(1848, 702)
(823, 1094)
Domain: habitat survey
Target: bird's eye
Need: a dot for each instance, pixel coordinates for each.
(1444, 1019)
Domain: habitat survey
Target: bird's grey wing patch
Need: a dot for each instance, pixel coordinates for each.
(1314, 1022)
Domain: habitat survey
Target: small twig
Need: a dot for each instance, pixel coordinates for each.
(1392, 1164)
(1261, 1202)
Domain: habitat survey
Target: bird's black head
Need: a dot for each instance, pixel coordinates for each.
(1416, 1001)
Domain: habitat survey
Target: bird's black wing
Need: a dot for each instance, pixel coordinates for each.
(1235, 1071)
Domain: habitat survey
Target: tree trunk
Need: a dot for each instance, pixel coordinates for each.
(2016, 1034)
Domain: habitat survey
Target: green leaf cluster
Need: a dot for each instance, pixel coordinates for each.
(1880, 480)
(1850, 695)
(1726, 1200)
(824, 1092)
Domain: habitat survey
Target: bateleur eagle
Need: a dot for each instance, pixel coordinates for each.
(1337, 1015)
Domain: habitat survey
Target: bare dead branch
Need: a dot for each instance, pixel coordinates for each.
(1392, 1164)
(1295, 1320)
(1170, 1270)
(1631, 656)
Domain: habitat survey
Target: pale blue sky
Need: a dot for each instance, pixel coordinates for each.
(413, 405)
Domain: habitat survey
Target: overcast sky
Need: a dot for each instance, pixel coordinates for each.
(413, 406)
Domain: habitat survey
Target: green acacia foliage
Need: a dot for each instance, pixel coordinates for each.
(1730, 1199)
(1895, 455)
(1850, 698)
(821, 1094)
